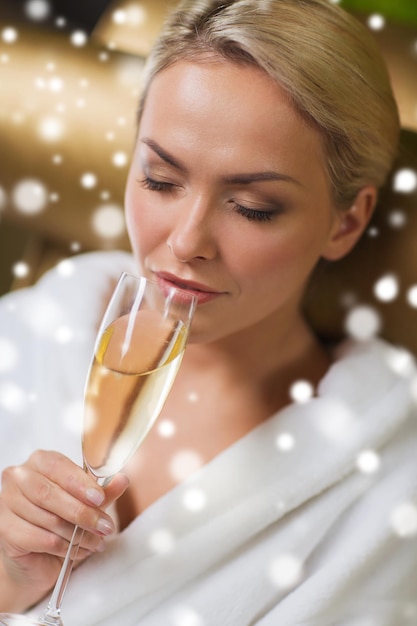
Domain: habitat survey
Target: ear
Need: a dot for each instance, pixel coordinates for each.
(350, 224)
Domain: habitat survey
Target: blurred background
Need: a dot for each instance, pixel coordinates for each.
(70, 79)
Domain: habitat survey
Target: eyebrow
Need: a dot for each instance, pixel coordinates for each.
(164, 155)
(236, 179)
(246, 179)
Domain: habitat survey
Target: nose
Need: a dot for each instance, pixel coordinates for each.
(192, 237)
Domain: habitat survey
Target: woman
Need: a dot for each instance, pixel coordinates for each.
(265, 131)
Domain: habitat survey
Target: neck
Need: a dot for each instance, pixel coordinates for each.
(276, 349)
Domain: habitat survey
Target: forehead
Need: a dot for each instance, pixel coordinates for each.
(211, 79)
(228, 108)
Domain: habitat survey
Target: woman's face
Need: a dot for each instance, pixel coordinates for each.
(228, 196)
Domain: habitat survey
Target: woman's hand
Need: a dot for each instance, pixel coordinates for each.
(40, 503)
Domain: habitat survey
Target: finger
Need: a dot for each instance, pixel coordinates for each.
(18, 531)
(22, 538)
(49, 535)
(24, 485)
(72, 478)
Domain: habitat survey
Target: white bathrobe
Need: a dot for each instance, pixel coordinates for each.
(309, 520)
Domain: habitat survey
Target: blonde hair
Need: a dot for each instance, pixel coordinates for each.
(325, 59)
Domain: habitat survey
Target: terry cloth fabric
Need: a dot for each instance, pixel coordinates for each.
(309, 520)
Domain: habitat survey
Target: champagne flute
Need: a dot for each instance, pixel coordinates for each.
(139, 348)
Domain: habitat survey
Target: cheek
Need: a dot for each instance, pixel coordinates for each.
(143, 229)
(274, 257)
(278, 266)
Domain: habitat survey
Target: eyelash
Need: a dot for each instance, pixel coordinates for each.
(249, 214)
(155, 185)
(252, 214)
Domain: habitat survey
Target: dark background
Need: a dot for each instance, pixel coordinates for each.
(86, 13)
(79, 14)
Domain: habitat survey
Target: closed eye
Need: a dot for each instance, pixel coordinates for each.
(257, 215)
(156, 185)
(253, 214)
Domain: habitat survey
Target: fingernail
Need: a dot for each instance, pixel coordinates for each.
(95, 496)
(105, 526)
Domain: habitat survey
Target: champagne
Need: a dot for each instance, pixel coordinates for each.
(134, 366)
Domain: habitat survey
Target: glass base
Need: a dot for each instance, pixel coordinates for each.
(10, 619)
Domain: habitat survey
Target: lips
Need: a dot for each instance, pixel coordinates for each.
(203, 293)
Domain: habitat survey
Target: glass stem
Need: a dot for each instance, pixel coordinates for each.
(52, 614)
